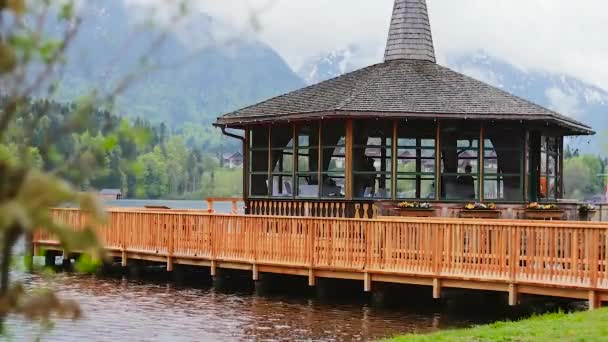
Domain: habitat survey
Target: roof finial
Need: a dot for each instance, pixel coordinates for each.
(410, 32)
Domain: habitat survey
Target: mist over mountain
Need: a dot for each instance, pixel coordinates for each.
(202, 73)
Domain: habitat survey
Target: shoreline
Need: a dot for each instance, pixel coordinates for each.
(578, 326)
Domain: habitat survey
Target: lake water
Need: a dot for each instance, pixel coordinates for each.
(153, 307)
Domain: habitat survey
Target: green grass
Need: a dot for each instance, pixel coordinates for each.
(582, 326)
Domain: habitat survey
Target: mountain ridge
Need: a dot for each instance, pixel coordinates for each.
(217, 77)
(559, 92)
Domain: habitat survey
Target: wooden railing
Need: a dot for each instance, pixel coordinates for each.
(234, 202)
(303, 208)
(566, 259)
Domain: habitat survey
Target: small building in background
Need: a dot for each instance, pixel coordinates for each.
(111, 194)
(233, 160)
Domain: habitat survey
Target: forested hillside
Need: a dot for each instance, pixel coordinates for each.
(156, 163)
(202, 69)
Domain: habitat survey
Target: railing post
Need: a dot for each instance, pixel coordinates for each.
(513, 248)
(210, 205)
(311, 238)
(235, 207)
(212, 238)
(171, 242)
(594, 258)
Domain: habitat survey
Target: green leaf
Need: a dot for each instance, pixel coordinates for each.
(67, 11)
(48, 50)
(110, 142)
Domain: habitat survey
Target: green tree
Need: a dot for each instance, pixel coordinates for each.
(30, 63)
(581, 176)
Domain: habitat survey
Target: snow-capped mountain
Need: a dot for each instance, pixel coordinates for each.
(561, 93)
(564, 94)
(330, 65)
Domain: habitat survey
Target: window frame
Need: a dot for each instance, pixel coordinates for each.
(389, 174)
(520, 148)
(417, 176)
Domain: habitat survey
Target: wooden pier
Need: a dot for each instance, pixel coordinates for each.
(561, 259)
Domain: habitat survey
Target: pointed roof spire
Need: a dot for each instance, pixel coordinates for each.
(410, 35)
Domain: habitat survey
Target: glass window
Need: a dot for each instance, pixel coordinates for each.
(282, 152)
(416, 160)
(460, 161)
(333, 143)
(549, 168)
(503, 164)
(307, 166)
(372, 159)
(258, 165)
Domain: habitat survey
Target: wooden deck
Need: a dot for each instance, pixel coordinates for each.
(561, 259)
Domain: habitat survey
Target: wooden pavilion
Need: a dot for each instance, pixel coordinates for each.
(406, 129)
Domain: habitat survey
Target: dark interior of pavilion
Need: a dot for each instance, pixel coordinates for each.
(397, 160)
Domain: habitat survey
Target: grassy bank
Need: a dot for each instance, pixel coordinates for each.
(582, 326)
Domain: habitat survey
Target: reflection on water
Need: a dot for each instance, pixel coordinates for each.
(157, 310)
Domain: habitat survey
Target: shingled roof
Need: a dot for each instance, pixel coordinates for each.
(409, 36)
(409, 84)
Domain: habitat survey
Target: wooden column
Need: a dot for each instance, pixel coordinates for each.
(481, 161)
(320, 160)
(560, 172)
(438, 162)
(294, 160)
(394, 152)
(526, 161)
(270, 185)
(246, 170)
(348, 172)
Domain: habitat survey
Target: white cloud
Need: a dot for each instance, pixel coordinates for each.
(552, 35)
(561, 36)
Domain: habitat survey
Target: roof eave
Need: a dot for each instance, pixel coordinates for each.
(240, 122)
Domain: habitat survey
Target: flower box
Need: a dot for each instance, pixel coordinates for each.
(537, 211)
(587, 215)
(587, 212)
(480, 214)
(545, 214)
(413, 212)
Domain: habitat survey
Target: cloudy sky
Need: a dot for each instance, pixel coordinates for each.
(554, 35)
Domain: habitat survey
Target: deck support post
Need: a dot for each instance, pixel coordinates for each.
(367, 282)
(213, 268)
(169, 264)
(513, 295)
(436, 288)
(312, 280)
(594, 302)
(123, 258)
(255, 273)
